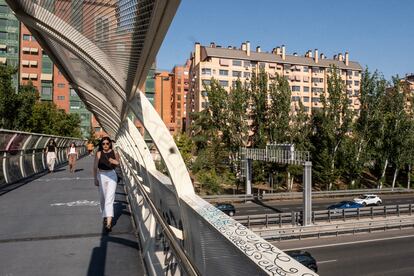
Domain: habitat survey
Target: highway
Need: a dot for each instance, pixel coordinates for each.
(386, 253)
(272, 207)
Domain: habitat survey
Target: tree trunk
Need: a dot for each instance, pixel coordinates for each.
(395, 177)
(357, 159)
(288, 181)
(409, 177)
(383, 173)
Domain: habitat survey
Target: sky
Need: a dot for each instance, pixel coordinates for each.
(376, 33)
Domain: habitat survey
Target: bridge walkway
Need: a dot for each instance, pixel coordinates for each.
(52, 226)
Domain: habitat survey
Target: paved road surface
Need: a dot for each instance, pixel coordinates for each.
(271, 207)
(52, 226)
(388, 253)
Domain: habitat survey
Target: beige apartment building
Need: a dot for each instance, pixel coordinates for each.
(307, 74)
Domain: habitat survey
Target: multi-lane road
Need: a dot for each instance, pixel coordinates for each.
(388, 253)
(272, 207)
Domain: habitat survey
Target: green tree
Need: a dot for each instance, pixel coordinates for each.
(25, 102)
(332, 126)
(258, 107)
(186, 147)
(8, 98)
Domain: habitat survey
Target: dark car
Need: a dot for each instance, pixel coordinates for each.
(345, 205)
(305, 258)
(226, 208)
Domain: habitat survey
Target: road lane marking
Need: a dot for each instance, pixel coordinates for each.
(77, 203)
(347, 243)
(327, 261)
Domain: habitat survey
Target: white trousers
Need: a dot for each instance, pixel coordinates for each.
(50, 160)
(107, 186)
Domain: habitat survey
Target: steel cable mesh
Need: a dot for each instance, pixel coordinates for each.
(117, 27)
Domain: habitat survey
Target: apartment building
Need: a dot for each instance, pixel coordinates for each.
(9, 39)
(307, 74)
(181, 85)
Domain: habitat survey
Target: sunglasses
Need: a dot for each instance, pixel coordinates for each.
(105, 143)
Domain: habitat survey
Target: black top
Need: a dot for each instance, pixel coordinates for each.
(104, 163)
(51, 148)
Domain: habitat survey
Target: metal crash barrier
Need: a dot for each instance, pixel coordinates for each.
(22, 154)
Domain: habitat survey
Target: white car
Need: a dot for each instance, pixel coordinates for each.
(368, 199)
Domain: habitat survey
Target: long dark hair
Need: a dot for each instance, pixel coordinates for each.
(105, 139)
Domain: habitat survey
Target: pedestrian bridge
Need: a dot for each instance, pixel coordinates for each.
(105, 49)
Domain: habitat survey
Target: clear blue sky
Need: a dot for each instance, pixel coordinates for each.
(377, 33)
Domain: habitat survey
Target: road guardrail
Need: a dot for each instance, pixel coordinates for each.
(298, 195)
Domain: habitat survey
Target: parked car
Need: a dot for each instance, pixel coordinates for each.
(345, 205)
(305, 258)
(227, 208)
(368, 199)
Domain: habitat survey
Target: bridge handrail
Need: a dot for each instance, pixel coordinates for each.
(179, 252)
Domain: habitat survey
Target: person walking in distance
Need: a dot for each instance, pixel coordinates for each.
(72, 154)
(106, 160)
(51, 155)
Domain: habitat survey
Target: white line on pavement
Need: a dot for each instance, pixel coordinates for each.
(77, 203)
(352, 242)
(327, 261)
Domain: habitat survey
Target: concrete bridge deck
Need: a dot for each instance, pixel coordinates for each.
(52, 226)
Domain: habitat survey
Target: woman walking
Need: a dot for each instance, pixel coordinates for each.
(51, 155)
(106, 160)
(72, 154)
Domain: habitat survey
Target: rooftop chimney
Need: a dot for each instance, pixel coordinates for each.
(283, 52)
(316, 56)
(212, 45)
(248, 48)
(295, 54)
(310, 53)
(243, 46)
(340, 57)
(322, 56)
(335, 57)
(229, 47)
(258, 49)
(346, 58)
(278, 51)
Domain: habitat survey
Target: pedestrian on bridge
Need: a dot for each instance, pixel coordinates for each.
(73, 155)
(51, 155)
(106, 160)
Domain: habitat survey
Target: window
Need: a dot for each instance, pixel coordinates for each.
(73, 93)
(315, 70)
(4, 9)
(356, 74)
(348, 82)
(204, 104)
(305, 69)
(246, 74)
(223, 72)
(101, 29)
(246, 63)
(3, 35)
(75, 105)
(97, 129)
(306, 89)
(26, 37)
(206, 82)
(224, 83)
(46, 91)
(13, 36)
(204, 71)
(295, 98)
(61, 85)
(306, 99)
(237, 74)
(12, 49)
(295, 88)
(317, 90)
(306, 109)
(316, 100)
(262, 65)
(61, 98)
(356, 82)
(237, 62)
(3, 22)
(287, 67)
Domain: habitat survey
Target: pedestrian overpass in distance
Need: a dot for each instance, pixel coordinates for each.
(105, 49)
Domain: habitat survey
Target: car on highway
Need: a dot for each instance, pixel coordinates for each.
(345, 205)
(368, 199)
(226, 208)
(305, 258)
